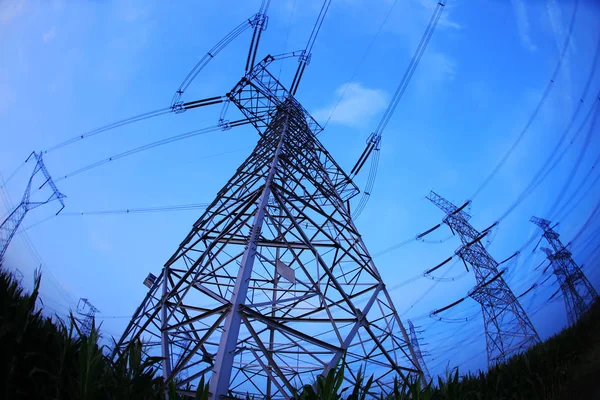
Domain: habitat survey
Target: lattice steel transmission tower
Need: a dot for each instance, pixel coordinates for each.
(578, 292)
(508, 330)
(414, 341)
(87, 311)
(18, 275)
(273, 285)
(9, 226)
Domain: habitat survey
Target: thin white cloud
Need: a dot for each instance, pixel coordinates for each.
(436, 67)
(133, 10)
(50, 35)
(10, 9)
(520, 9)
(445, 67)
(445, 21)
(356, 107)
(560, 29)
(556, 22)
(410, 20)
(434, 70)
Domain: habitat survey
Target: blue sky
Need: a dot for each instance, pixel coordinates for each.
(69, 67)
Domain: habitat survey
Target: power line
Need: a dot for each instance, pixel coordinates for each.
(414, 62)
(583, 196)
(170, 208)
(539, 178)
(176, 108)
(179, 207)
(428, 290)
(587, 222)
(126, 121)
(374, 140)
(5, 181)
(305, 58)
(591, 238)
(579, 187)
(546, 168)
(287, 36)
(251, 238)
(403, 243)
(537, 109)
(152, 145)
(216, 49)
(362, 60)
(573, 172)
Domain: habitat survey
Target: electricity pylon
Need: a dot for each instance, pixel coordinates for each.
(508, 330)
(273, 285)
(578, 292)
(414, 341)
(86, 310)
(15, 218)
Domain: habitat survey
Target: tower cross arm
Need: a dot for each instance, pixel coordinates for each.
(448, 207)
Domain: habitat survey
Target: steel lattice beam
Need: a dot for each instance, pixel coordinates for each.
(578, 292)
(273, 285)
(508, 330)
(11, 224)
(414, 341)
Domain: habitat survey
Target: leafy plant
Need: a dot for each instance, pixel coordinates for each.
(45, 359)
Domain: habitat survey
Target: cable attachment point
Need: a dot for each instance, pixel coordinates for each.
(260, 20)
(305, 58)
(224, 124)
(178, 107)
(375, 139)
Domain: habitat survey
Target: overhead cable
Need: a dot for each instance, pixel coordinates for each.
(171, 208)
(180, 107)
(152, 145)
(539, 178)
(212, 53)
(362, 60)
(538, 107)
(575, 205)
(375, 137)
(108, 127)
(305, 59)
(586, 224)
(179, 207)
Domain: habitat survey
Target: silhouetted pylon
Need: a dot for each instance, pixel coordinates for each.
(273, 285)
(508, 330)
(578, 292)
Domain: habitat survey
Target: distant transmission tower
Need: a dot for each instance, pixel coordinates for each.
(577, 290)
(15, 218)
(87, 311)
(414, 341)
(273, 285)
(18, 275)
(508, 330)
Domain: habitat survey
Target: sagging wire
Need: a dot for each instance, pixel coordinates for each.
(171, 208)
(152, 145)
(538, 107)
(375, 137)
(362, 60)
(307, 53)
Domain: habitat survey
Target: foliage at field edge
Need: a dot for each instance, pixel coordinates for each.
(566, 366)
(43, 359)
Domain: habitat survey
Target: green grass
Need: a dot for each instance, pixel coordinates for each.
(566, 366)
(43, 359)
